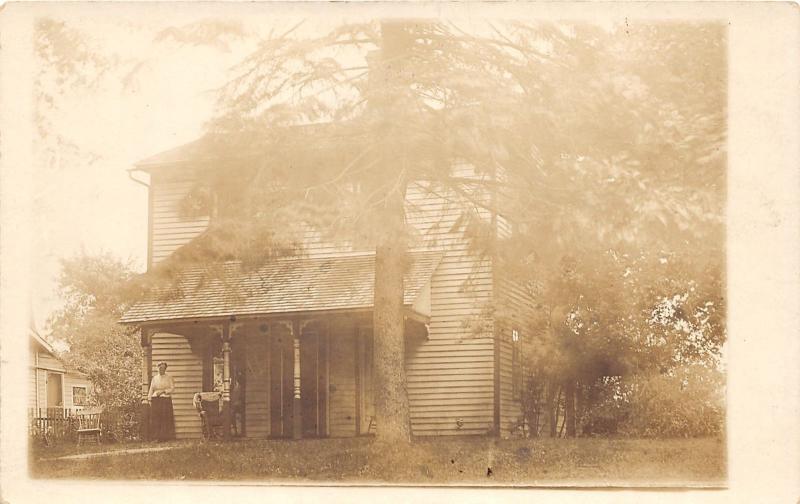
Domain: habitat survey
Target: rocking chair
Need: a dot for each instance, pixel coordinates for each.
(207, 405)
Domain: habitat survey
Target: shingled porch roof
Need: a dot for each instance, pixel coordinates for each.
(287, 285)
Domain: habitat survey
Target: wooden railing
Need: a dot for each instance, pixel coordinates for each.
(51, 424)
(58, 412)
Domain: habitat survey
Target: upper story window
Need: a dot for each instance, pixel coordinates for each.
(196, 203)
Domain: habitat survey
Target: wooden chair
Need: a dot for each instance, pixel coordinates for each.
(207, 405)
(88, 426)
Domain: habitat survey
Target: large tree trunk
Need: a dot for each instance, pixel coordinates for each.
(391, 398)
(387, 99)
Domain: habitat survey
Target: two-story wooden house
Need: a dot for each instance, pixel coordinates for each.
(295, 336)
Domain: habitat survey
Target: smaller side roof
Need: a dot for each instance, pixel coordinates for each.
(35, 336)
(287, 285)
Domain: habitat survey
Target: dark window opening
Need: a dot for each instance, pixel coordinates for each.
(79, 396)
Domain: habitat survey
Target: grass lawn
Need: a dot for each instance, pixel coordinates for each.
(475, 461)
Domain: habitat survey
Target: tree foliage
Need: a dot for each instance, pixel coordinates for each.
(603, 148)
(566, 122)
(620, 216)
(96, 290)
(688, 401)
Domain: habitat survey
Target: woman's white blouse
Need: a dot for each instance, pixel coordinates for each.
(161, 383)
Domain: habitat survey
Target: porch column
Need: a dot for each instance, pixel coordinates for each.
(297, 407)
(145, 340)
(226, 381)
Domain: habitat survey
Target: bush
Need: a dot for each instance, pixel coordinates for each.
(609, 407)
(687, 402)
(96, 290)
(120, 424)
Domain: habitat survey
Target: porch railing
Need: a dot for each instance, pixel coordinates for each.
(52, 424)
(57, 412)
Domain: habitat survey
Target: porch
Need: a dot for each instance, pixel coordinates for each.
(289, 346)
(304, 377)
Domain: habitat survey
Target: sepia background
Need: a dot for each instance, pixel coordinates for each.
(752, 211)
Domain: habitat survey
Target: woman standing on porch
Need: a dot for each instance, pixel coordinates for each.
(162, 423)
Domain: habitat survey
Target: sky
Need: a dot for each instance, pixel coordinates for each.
(158, 97)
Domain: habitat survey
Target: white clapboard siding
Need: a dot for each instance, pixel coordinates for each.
(451, 374)
(170, 230)
(43, 389)
(48, 365)
(70, 381)
(518, 313)
(32, 388)
(257, 384)
(50, 362)
(186, 368)
(342, 388)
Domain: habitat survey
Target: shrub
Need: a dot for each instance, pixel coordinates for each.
(120, 424)
(687, 402)
(609, 407)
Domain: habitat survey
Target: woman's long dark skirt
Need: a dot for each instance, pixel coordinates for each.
(162, 420)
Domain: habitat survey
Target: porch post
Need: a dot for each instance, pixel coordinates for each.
(297, 407)
(226, 381)
(145, 340)
(358, 371)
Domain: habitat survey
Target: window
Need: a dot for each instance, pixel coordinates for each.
(218, 376)
(79, 396)
(516, 366)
